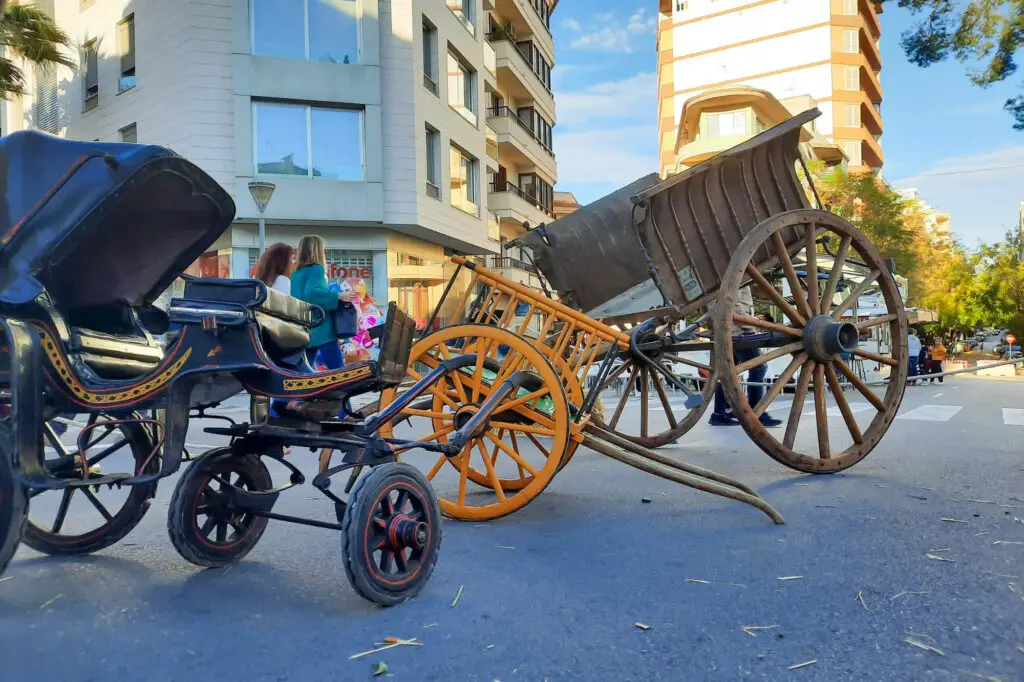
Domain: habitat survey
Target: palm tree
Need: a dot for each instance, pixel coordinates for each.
(28, 33)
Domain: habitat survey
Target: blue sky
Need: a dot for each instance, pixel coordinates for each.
(937, 125)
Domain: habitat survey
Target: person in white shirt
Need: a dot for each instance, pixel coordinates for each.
(275, 267)
(913, 350)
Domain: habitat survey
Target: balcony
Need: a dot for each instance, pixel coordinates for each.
(518, 143)
(870, 83)
(516, 73)
(508, 201)
(525, 17)
(871, 17)
(515, 270)
(869, 47)
(703, 148)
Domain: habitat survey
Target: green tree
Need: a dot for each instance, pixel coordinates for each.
(989, 32)
(29, 34)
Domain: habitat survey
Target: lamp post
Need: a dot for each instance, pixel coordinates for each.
(261, 193)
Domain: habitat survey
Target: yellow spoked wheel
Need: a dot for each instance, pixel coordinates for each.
(527, 436)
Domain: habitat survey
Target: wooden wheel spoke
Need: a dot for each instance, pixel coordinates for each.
(437, 467)
(615, 374)
(491, 473)
(524, 428)
(844, 407)
(91, 496)
(836, 274)
(865, 391)
(768, 357)
(630, 383)
(779, 384)
(799, 297)
(875, 321)
(764, 324)
(456, 379)
(538, 445)
(524, 400)
(439, 434)
(478, 374)
(463, 475)
(664, 402)
(515, 446)
(773, 294)
(412, 411)
(820, 412)
(797, 408)
(524, 466)
(883, 359)
(855, 294)
(686, 361)
(812, 269)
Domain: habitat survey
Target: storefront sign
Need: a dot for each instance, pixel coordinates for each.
(336, 270)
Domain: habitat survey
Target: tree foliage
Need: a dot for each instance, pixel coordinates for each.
(26, 33)
(988, 32)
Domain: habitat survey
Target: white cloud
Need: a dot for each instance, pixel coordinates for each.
(572, 25)
(608, 33)
(634, 98)
(612, 155)
(982, 192)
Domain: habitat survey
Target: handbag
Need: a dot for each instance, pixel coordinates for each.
(345, 321)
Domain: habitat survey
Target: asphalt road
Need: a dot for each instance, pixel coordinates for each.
(553, 592)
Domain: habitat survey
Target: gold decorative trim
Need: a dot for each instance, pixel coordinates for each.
(326, 380)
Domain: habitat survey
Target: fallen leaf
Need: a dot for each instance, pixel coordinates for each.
(922, 645)
(3, 580)
(982, 533)
(379, 669)
(431, 625)
(695, 580)
(980, 677)
(490, 646)
(749, 629)
(384, 648)
(503, 547)
(792, 577)
(971, 499)
(802, 665)
(50, 602)
(939, 558)
(917, 497)
(860, 598)
(734, 584)
(954, 521)
(458, 596)
(1002, 575)
(901, 594)
(642, 626)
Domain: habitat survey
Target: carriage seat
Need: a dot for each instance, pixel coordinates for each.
(112, 341)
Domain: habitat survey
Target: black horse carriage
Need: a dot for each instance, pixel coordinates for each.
(90, 235)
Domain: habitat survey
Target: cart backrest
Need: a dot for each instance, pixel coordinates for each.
(652, 244)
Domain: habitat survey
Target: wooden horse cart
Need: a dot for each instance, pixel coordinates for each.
(643, 284)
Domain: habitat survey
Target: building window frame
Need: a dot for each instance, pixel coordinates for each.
(90, 75)
(459, 8)
(432, 144)
(473, 194)
(430, 60)
(129, 133)
(469, 110)
(851, 78)
(126, 51)
(850, 8)
(851, 114)
(309, 139)
(305, 31)
(851, 41)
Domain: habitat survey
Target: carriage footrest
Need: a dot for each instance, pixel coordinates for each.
(52, 483)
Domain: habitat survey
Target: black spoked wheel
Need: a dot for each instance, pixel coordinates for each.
(13, 502)
(204, 526)
(89, 519)
(391, 534)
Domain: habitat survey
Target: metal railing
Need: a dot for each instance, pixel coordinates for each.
(504, 34)
(504, 112)
(496, 187)
(508, 263)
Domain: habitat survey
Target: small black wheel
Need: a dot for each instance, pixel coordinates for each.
(13, 502)
(53, 537)
(204, 528)
(391, 534)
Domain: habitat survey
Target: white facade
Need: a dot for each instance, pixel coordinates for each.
(329, 103)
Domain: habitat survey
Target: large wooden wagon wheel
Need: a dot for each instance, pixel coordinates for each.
(527, 437)
(814, 322)
(647, 391)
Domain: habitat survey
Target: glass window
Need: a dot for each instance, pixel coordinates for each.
(278, 29)
(462, 88)
(126, 48)
(433, 145)
(321, 30)
(851, 78)
(850, 7)
(465, 12)
(130, 133)
(852, 112)
(336, 142)
(465, 190)
(281, 139)
(429, 57)
(90, 75)
(851, 40)
(727, 124)
(334, 31)
(852, 150)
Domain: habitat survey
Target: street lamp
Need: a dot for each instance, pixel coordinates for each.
(261, 193)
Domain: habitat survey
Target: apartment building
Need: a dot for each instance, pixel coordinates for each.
(826, 50)
(937, 224)
(402, 131)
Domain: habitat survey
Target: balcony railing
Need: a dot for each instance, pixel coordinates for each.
(515, 189)
(523, 48)
(429, 83)
(505, 112)
(507, 263)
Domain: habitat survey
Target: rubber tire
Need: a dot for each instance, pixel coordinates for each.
(13, 502)
(135, 507)
(180, 525)
(357, 515)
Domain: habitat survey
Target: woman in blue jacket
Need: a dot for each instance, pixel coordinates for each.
(309, 284)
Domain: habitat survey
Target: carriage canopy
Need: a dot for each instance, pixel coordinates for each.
(100, 223)
(689, 225)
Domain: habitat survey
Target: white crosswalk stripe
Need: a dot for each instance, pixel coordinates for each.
(1013, 416)
(932, 413)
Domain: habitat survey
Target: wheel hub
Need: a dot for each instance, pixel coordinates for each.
(404, 531)
(464, 414)
(824, 337)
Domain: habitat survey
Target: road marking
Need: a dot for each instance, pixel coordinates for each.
(932, 413)
(937, 395)
(1013, 416)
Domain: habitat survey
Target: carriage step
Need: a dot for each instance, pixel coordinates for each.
(52, 483)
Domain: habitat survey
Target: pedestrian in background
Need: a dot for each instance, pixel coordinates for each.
(913, 351)
(309, 284)
(274, 267)
(938, 357)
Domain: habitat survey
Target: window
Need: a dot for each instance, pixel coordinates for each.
(850, 7)
(537, 189)
(681, 5)
(727, 124)
(852, 150)
(126, 48)
(852, 115)
(462, 88)
(308, 141)
(130, 133)
(321, 30)
(90, 76)
(851, 40)
(465, 12)
(538, 64)
(465, 184)
(433, 144)
(851, 78)
(429, 57)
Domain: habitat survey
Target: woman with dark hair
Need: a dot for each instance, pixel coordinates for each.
(275, 267)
